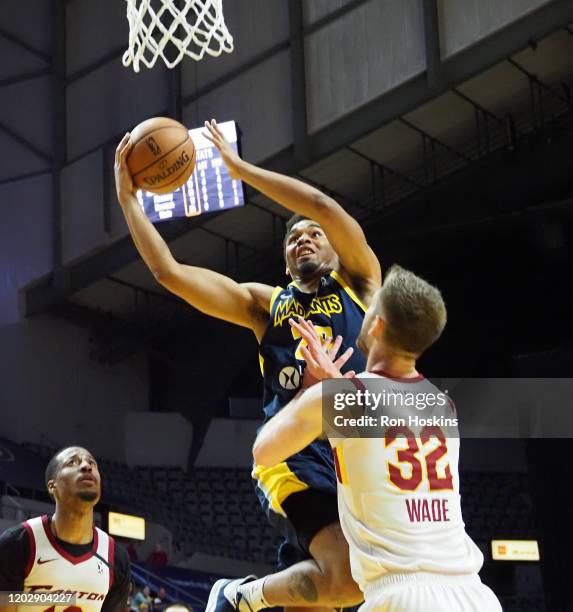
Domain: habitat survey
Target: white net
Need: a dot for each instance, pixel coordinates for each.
(173, 29)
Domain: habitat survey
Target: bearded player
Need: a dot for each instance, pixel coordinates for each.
(66, 552)
(398, 494)
(334, 274)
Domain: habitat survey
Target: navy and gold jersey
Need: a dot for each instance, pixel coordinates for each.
(334, 309)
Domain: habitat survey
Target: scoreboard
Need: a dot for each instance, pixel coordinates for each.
(209, 189)
(126, 525)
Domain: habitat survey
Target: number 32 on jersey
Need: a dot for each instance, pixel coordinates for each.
(414, 464)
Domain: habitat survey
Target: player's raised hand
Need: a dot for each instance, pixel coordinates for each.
(123, 181)
(320, 354)
(232, 160)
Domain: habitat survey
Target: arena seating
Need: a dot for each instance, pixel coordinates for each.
(211, 510)
(496, 506)
(214, 510)
(523, 604)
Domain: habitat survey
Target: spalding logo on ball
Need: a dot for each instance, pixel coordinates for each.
(163, 155)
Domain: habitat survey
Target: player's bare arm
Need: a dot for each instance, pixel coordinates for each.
(212, 293)
(291, 430)
(357, 260)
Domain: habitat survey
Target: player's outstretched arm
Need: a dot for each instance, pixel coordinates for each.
(214, 294)
(342, 230)
(291, 430)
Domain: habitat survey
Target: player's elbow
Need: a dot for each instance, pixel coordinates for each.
(324, 206)
(262, 453)
(164, 278)
(159, 274)
(165, 273)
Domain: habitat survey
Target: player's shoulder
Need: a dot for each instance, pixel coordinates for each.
(121, 568)
(120, 552)
(15, 533)
(359, 289)
(15, 541)
(120, 557)
(117, 596)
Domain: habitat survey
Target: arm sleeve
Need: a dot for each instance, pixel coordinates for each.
(14, 552)
(116, 599)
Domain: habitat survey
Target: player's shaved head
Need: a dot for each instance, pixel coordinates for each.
(57, 461)
(54, 464)
(413, 310)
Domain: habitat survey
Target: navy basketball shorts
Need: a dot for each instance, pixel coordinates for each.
(299, 498)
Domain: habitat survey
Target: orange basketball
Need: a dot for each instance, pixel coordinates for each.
(163, 155)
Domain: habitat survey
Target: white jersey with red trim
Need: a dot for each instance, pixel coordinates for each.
(51, 568)
(398, 494)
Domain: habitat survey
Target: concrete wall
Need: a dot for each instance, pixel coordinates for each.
(361, 56)
(349, 61)
(228, 443)
(25, 239)
(464, 23)
(53, 393)
(157, 439)
(51, 390)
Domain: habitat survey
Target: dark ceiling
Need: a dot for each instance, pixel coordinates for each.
(463, 173)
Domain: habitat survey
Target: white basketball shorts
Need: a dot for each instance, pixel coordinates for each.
(425, 591)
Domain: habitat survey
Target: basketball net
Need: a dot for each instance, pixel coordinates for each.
(194, 28)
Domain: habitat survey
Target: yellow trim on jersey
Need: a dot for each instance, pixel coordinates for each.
(348, 289)
(277, 483)
(262, 364)
(341, 464)
(274, 296)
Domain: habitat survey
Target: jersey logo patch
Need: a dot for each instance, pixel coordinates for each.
(289, 378)
(326, 305)
(42, 561)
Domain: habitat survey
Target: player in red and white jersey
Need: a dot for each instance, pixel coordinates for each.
(66, 552)
(398, 493)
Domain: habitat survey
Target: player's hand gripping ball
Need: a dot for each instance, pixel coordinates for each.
(163, 155)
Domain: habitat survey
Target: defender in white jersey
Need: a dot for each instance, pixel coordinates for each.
(398, 493)
(66, 552)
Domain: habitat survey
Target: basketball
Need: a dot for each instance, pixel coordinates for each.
(163, 155)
